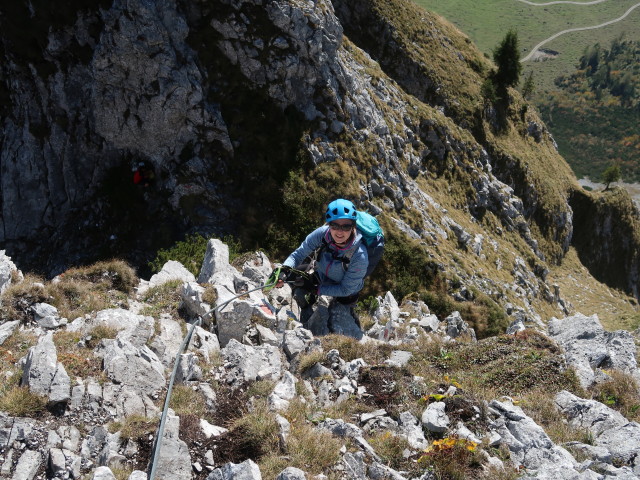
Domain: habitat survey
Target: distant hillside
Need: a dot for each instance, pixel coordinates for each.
(596, 113)
(485, 23)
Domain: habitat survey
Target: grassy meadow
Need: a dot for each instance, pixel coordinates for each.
(486, 22)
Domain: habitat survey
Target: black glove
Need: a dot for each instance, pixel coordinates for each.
(308, 282)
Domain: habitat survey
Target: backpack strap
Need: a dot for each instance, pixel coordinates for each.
(346, 256)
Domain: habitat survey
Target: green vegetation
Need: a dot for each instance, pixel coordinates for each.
(595, 114)
(485, 23)
(507, 365)
(507, 58)
(187, 401)
(190, 253)
(529, 86)
(610, 175)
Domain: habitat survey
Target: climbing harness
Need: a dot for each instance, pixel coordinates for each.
(271, 282)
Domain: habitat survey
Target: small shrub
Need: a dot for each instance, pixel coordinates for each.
(488, 91)
(259, 429)
(210, 295)
(391, 449)
(307, 448)
(98, 333)
(189, 252)
(453, 458)
(261, 388)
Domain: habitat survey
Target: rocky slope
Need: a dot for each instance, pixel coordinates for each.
(252, 114)
(256, 394)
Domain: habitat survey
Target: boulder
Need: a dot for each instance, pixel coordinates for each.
(137, 367)
(457, 327)
(528, 443)
(7, 329)
(434, 418)
(591, 350)
(7, 270)
(247, 470)
(245, 363)
(43, 374)
(170, 271)
(174, 460)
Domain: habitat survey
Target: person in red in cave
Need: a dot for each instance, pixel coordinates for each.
(143, 175)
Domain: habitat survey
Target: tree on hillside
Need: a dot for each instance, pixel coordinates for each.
(590, 59)
(529, 86)
(507, 57)
(610, 175)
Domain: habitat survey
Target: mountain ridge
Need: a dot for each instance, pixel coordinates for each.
(421, 148)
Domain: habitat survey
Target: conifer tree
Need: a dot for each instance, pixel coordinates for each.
(507, 57)
(528, 87)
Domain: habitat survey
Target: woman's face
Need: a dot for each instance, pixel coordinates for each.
(341, 230)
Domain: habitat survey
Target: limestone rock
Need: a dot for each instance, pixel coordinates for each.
(43, 374)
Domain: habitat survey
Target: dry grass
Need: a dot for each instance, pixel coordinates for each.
(78, 361)
(76, 292)
(18, 299)
(135, 427)
(391, 449)
(21, 402)
(350, 349)
(308, 360)
(163, 298)
(307, 448)
(259, 429)
(620, 393)
(110, 275)
(83, 290)
(16, 400)
(539, 404)
(187, 401)
(616, 310)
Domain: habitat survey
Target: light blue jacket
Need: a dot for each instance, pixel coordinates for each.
(335, 280)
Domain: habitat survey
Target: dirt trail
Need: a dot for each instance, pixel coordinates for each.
(536, 4)
(553, 37)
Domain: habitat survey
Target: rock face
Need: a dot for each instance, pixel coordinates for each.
(188, 91)
(591, 350)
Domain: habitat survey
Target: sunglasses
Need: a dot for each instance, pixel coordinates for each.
(336, 226)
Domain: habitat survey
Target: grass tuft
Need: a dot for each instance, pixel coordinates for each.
(21, 402)
(620, 393)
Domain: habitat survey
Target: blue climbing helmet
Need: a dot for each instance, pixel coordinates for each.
(340, 208)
